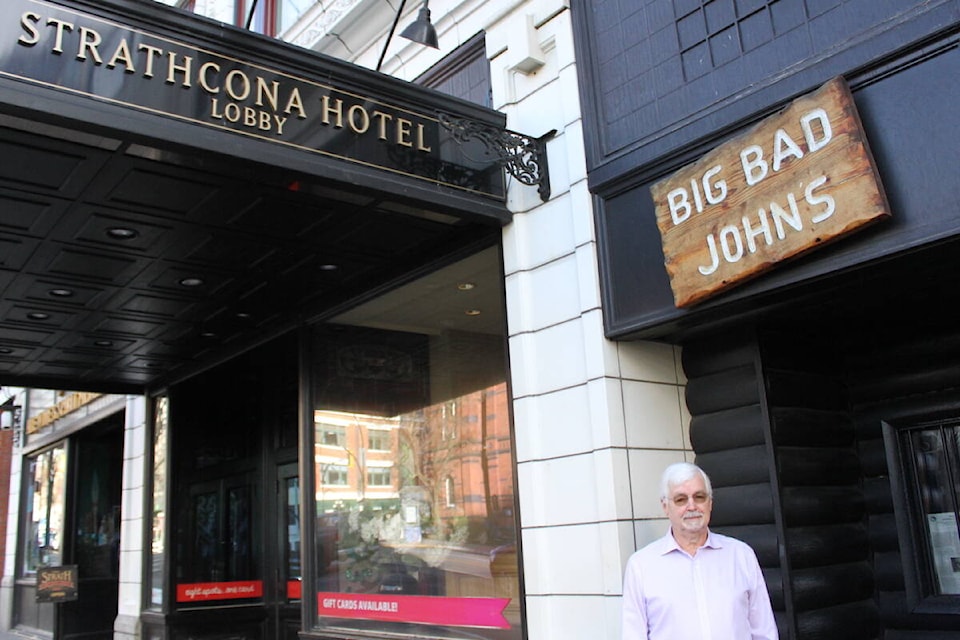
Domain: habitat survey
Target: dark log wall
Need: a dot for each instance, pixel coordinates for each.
(824, 507)
(789, 428)
(730, 436)
(770, 425)
(904, 373)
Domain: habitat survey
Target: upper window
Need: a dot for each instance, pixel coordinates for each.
(379, 440)
(928, 510)
(332, 435)
(269, 17)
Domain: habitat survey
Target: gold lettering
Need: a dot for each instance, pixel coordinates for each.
(122, 54)
(270, 93)
(364, 121)
(244, 85)
(238, 96)
(61, 27)
(202, 76)
(89, 40)
(34, 35)
(403, 132)
(62, 408)
(152, 53)
(337, 110)
(421, 143)
(172, 68)
(382, 119)
(295, 102)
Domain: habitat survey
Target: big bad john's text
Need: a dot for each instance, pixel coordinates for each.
(795, 181)
(771, 222)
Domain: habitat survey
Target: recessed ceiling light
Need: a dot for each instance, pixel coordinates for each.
(466, 286)
(61, 293)
(472, 312)
(38, 315)
(191, 282)
(122, 233)
(243, 315)
(208, 334)
(329, 267)
(104, 343)
(6, 351)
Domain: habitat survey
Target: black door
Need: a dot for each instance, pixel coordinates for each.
(95, 534)
(285, 608)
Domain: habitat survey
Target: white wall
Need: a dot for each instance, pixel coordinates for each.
(596, 421)
(135, 444)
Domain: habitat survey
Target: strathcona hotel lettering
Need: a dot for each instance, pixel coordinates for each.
(52, 46)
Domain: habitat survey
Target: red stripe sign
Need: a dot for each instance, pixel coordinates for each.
(438, 610)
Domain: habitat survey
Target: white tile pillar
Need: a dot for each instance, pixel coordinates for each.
(129, 604)
(596, 421)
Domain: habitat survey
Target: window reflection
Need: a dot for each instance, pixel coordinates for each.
(45, 518)
(388, 522)
(159, 501)
(413, 458)
(936, 466)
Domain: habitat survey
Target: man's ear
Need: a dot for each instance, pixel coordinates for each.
(663, 503)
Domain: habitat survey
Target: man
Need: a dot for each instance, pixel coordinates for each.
(694, 584)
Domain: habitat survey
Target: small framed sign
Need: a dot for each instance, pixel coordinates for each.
(57, 584)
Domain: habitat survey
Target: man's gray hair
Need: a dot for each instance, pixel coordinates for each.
(680, 472)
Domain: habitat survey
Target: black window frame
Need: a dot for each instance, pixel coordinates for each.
(919, 575)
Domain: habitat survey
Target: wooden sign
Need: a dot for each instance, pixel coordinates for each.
(794, 182)
(57, 584)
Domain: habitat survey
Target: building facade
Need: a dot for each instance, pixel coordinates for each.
(339, 361)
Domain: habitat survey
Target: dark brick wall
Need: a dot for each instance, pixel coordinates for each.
(657, 75)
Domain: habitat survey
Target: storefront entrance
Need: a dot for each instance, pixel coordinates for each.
(96, 545)
(406, 502)
(72, 524)
(286, 608)
(235, 565)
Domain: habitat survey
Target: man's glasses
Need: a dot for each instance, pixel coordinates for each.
(681, 500)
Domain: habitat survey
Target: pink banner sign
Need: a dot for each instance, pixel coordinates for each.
(439, 610)
(204, 591)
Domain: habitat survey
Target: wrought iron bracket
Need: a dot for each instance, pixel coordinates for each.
(523, 157)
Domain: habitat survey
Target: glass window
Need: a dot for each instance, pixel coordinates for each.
(46, 490)
(334, 474)
(331, 435)
(448, 492)
(291, 11)
(928, 516)
(434, 383)
(222, 10)
(161, 413)
(292, 527)
(379, 477)
(378, 440)
(238, 12)
(98, 461)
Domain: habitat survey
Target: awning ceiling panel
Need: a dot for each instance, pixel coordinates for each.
(123, 266)
(146, 234)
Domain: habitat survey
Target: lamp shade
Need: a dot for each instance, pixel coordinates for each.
(420, 30)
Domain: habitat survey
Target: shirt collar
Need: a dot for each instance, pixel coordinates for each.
(669, 543)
